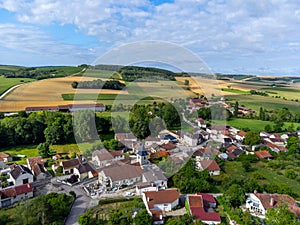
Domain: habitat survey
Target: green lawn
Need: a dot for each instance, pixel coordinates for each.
(28, 151)
(6, 83)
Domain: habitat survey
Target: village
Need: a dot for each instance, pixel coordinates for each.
(114, 174)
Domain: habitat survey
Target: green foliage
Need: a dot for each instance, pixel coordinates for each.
(204, 113)
(43, 149)
(44, 209)
(59, 169)
(99, 84)
(262, 93)
(293, 145)
(290, 173)
(132, 73)
(84, 126)
(189, 180)
(186, 82)
(235, 195)
(280, 215)
(112, 144)
(86, 219)
(252, 138)
(43, 72)
(236, 109)
(185, 219)
(143, 218)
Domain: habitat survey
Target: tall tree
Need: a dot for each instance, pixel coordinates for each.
(236, 109)
(262, 114)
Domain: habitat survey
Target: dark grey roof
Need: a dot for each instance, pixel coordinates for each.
(142, 151)
(18, 170)
(154, 175)
(85, 167)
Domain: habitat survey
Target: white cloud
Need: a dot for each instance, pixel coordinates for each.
(227, 29)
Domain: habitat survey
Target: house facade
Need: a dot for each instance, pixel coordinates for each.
(158, 202)
(11, 195)
(20, 175)
(258, 204)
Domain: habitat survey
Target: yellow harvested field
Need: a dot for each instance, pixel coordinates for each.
(46, 93)
(203, 86)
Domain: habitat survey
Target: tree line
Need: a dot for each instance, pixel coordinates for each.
(132, 73)
(51, 128)
(99, 84)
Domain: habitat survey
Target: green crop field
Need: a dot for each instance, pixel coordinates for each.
(6, 83)
(267, 102)
(236, 91)
(100, 74)
(288, 93)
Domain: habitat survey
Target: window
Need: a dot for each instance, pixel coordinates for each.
(25, 181)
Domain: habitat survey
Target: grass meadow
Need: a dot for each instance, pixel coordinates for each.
(6, 83)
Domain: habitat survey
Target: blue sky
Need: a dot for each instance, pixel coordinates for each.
(230, 36)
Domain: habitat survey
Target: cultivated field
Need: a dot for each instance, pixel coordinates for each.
(46, 93)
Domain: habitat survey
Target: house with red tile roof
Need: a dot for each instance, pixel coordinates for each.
(263, 154)
(258, 204)
(11, 195)
(158, 202)
(5, 157)
(36, 165)
(210, 165)
(201, 207)
(240, 135)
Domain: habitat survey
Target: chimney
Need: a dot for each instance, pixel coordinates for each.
(271, 201)
(255, 192)
(148, 199)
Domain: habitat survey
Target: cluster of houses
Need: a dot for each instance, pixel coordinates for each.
(21, 179)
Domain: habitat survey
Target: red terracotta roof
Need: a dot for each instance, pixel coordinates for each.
(264, 154)
(231, 148)
(156, 214)
(210, 165)
(195, 201)
(4, 155)
(24, 188)
(242, 133)
(207, 197)
(161, 197)
(200, 214)
(279, 199)
(8, 193)
(168, 146)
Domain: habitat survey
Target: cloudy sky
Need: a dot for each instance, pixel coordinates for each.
(230, 36)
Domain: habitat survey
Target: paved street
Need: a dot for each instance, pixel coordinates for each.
(81, 204)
